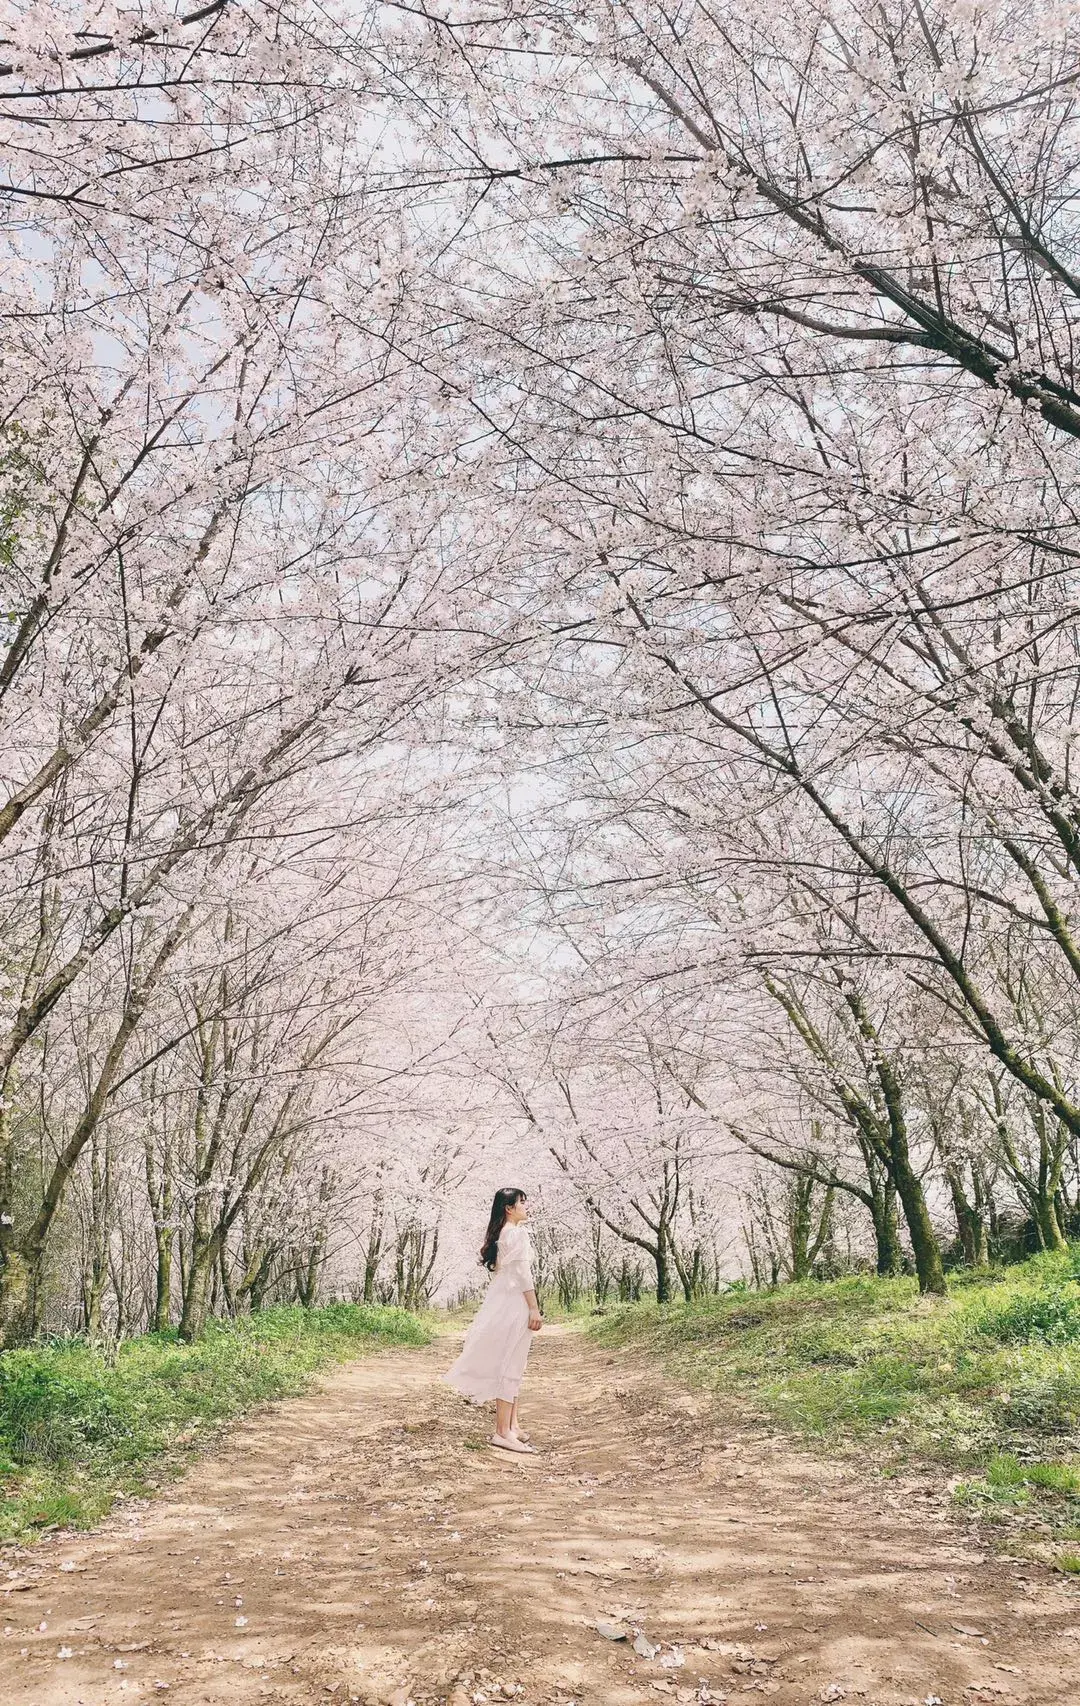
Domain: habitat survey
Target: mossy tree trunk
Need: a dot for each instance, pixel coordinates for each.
(889, 1133)
(970, 1221)
(787, 1230)
(97, 1255)
(373, 1251)
(889, 1256)
(159, 1193)
(1037, 1171)
(163, 1265)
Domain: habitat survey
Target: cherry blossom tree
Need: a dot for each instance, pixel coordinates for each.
(776, 384)
(626, 454)
(224, 610)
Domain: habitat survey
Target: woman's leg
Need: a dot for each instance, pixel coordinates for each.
(515, 1423)
(504, 1434)
(504, 1428)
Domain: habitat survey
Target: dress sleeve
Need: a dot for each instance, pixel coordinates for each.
(525, 1262)
(515, 1255)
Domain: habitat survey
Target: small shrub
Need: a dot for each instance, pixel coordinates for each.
(57, 1510)
(1005, 1471)
(820, 1344)
(1054, 1478)
(1050, 1316)
(54, 1412)
(1002, 1486)
(1043, 1400)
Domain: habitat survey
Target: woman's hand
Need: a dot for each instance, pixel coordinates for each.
(536, 1320)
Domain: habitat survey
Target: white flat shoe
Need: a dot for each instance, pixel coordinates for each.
(512, 1445)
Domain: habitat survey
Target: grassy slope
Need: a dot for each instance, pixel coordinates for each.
(79, 1426)
(986, 1383)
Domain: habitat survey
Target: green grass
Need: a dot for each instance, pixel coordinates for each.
(80, 1427)
(985, 1382)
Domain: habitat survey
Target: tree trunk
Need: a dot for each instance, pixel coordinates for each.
(197, 1292)
(159, 1193)
(924, 1244)
(897, 1158)
(1037, 1184)
(227, 1290)
(309, 1271)
(984, 1214)
(200, 1271)
(163, 1252)
(373, 1253)
(261, 1276)
(31, 1245)
(1044, 1209)
(119, 1273)
(92, 1301)
(601, 1270)
(801, 1201)
(17, 1284)
(97, 1265)
(970, 1225)
(886, 1230)
(663, 1271)
(259, 1258)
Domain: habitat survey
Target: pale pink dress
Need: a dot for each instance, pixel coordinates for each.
(496, 1348)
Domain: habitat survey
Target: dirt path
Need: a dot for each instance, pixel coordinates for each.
(329, 1552)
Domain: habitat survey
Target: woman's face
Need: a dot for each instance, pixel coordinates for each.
(517, 1211)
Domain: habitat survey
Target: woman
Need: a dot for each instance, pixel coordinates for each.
(496, 1348)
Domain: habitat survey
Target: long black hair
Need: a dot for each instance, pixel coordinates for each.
(504, 1199)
